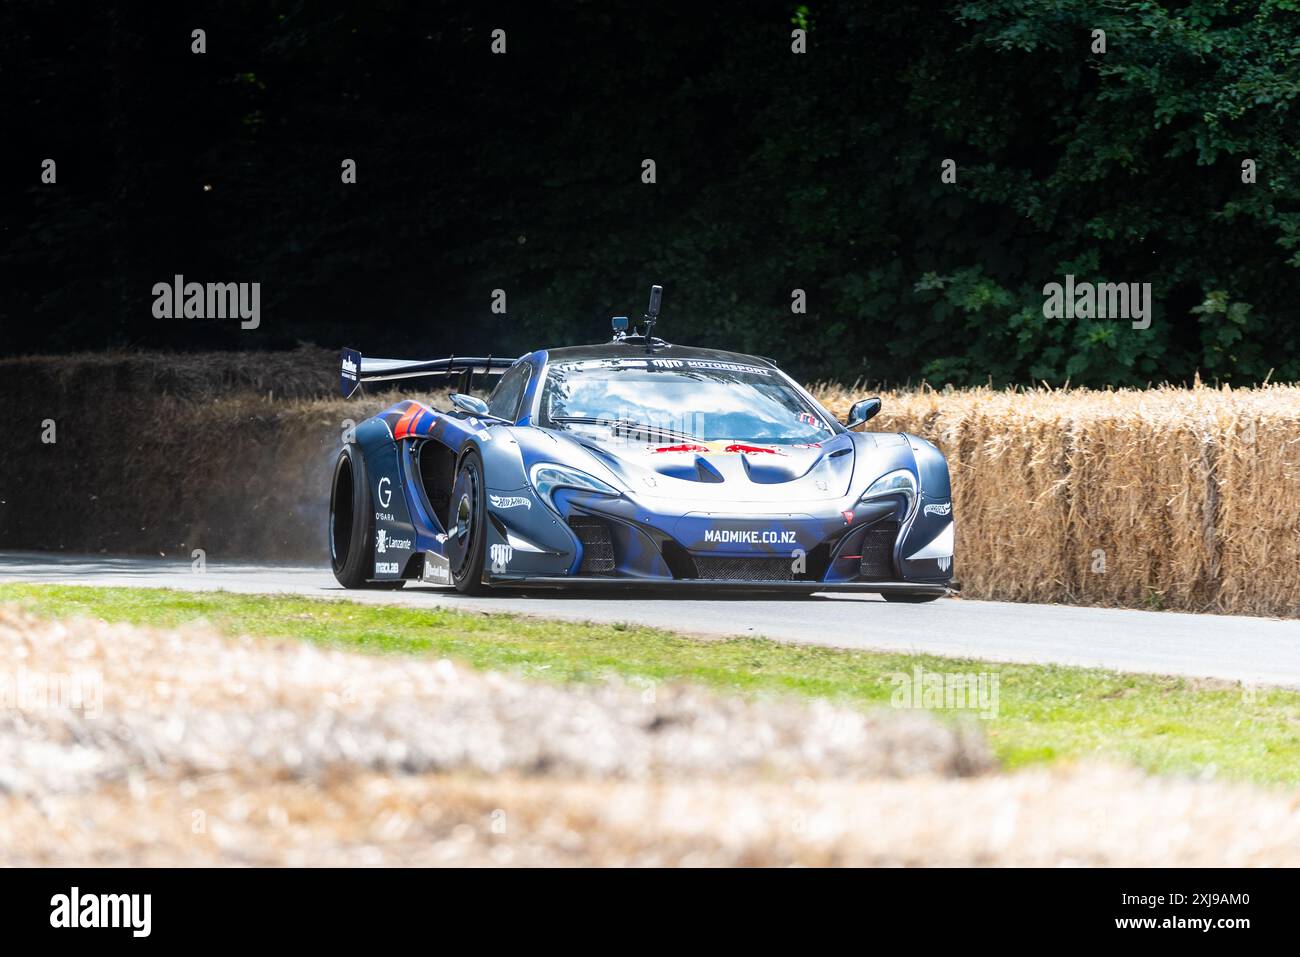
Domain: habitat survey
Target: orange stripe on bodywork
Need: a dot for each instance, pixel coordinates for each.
(404, 423)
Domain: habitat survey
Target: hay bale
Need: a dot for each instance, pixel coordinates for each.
(1165, 498)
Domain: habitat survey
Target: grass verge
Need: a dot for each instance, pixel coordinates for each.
(1044, 713)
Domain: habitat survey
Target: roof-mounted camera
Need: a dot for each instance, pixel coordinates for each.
(621, 324)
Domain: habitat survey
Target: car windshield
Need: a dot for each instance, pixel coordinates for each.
(679, 400)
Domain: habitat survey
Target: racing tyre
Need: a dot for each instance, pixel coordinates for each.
(467, 532)
(352, 523)
(908, 598)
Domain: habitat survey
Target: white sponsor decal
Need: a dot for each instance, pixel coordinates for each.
(500, 555)
(662, 364)
(938, 547)
(385, 492)
(601, 364)
(385, 568)
(436, 569)
(384, 517)
(943, 509)
(709, 364)
(349, 368)
(383, 543)
(509, 501)
(736, 536)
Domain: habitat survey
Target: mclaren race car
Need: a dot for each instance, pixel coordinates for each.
(633, 464)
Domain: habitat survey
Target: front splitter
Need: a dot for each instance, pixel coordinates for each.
(707, 584)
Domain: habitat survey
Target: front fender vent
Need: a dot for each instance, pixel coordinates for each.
(878, 551)
(597, 545)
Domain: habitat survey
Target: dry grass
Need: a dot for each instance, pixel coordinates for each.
(161, 454)
(195, 703)
(208, 750)
(1189, 494)
(307, 372)
(1087, 816)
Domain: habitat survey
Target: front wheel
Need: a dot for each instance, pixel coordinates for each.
(467, 534)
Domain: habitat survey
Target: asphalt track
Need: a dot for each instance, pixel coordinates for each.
(1252, 650)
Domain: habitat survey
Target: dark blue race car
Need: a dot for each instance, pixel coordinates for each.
(635, 464)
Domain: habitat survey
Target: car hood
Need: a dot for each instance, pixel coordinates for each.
(728, 471)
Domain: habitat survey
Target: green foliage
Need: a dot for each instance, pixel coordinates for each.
(776, 172)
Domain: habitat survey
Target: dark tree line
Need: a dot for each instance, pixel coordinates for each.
(775, 172)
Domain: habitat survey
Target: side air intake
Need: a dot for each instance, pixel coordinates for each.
(597, 545)
(878, 551)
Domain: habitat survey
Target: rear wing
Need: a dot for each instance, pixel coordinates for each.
(355, 369)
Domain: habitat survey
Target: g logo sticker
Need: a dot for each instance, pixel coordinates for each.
(385, 492)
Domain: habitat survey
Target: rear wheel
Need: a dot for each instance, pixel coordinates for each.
(467, 531)
(908, 597)
(352, 523)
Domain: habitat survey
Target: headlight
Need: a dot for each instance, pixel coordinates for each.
(900, 482)
(547, 476)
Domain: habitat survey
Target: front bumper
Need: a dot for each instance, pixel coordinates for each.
(598, 542)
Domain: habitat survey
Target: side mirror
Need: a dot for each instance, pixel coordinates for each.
(861, 412)
(469, 403)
